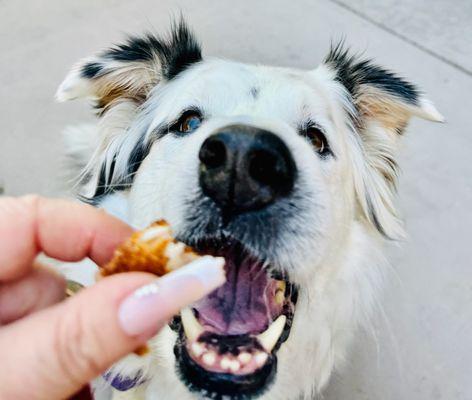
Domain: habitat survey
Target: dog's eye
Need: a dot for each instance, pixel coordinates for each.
(189, 122)
(317, 139)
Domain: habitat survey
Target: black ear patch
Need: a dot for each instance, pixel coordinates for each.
(91, 70)
(354, 73)
(175, 53)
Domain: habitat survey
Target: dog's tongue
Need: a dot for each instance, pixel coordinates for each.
(244, 304)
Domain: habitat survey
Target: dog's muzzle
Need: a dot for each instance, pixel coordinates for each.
(227, 342)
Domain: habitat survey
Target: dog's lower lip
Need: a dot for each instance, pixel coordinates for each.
(222, 385)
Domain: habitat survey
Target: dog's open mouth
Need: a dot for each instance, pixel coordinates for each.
(228, 341)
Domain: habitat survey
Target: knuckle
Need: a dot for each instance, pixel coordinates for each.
(31, 203)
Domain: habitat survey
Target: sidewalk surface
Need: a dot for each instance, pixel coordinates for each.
(419, 347)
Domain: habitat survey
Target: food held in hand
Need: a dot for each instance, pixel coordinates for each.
(153, 250)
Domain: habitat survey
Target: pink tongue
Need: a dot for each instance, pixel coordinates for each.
(244, 304)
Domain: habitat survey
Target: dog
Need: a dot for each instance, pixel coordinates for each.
(288, 174)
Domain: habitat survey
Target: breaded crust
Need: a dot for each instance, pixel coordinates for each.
(153, 250)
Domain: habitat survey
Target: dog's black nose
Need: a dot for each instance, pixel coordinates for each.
(245, 168)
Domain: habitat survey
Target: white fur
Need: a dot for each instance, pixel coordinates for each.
(336, 254)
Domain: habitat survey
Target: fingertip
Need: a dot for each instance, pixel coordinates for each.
(71, 230)
(62, 229)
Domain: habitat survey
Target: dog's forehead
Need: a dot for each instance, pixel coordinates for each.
(227, 87)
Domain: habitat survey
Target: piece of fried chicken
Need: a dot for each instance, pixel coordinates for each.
(153, 250)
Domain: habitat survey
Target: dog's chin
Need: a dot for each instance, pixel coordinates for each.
(227, 342)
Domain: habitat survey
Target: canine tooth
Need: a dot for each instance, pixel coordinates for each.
(261, 358)
(269, 338)
(209, 358)
(225, 363)
(197, 349)
(192, 327)
(244, 357)
(234, 366)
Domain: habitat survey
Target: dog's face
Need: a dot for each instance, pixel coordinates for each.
(287, 174)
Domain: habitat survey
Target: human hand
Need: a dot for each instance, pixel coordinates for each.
(50, 348)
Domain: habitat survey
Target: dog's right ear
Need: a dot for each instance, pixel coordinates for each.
(129, 71)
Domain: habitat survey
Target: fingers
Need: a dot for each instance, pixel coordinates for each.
(68, 344)
(39, 289)
(71, 343)
(62, 229)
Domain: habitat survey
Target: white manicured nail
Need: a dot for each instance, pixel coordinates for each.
(150, 306)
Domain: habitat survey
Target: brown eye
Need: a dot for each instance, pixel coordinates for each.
(317, 139)
(189, 122)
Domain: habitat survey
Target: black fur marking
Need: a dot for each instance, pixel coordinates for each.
(182, 51)
(175, 54)
(400, 130)
(353, 73)
(107, 185)
(254, 92)
(91, 70)
(138, 154)
(375, 220)
(135, 49)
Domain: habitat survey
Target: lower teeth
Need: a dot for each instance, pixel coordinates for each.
(244, 362)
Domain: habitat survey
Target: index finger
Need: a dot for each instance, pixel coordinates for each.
(61, 229)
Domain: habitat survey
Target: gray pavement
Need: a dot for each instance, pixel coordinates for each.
(419, 346)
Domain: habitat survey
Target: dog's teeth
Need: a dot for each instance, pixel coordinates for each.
(269, 338)
(234, 366)
(225, 363)
(261, 358)
(197, 349)
(244, 358)
(192, 327)
(209, 358)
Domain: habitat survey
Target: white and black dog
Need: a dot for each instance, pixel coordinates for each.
(288, 174)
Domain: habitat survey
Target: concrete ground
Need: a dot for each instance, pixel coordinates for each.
(420, 346)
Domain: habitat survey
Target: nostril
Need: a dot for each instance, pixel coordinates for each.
(270, 169)
(213, 153)
(263, 167)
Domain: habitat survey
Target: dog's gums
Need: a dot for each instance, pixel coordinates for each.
(231, 337)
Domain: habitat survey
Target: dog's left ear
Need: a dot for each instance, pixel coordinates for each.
(380, 104)
(130, 70)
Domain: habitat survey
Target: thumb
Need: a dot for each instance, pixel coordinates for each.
(51, 354)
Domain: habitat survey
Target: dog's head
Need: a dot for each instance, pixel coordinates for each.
(288, 174)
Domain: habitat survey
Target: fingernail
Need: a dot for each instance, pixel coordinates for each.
(148, 307)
